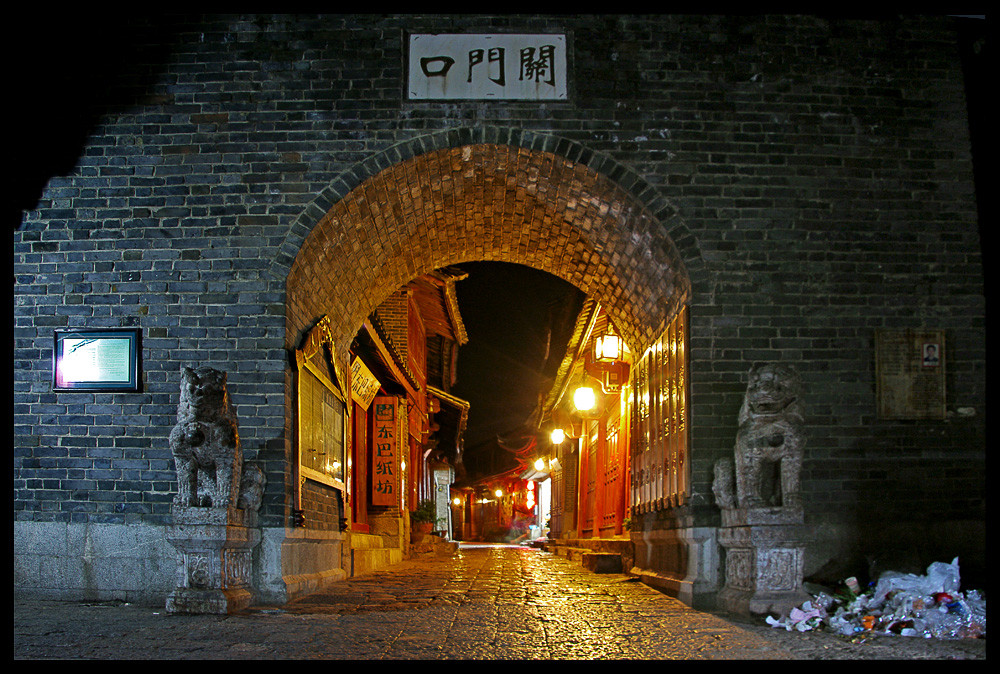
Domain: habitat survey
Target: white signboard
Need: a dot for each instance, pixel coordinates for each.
(487, 67)
(364, 385)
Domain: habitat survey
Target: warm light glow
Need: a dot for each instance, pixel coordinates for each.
(540, 464)
(499, 493)
(608, 347)
(584, 398)
(557, 436)
(457, 501)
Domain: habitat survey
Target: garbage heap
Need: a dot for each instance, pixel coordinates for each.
(929, 606)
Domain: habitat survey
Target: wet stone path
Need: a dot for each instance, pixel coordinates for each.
(485, 603)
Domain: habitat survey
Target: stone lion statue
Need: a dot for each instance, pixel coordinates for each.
(769, 444)
(206, 442)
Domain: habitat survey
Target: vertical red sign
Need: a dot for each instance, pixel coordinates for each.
(385, 480)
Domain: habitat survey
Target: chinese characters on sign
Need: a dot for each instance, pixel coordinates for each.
(385, 479)
(510, 67)
(364, 385)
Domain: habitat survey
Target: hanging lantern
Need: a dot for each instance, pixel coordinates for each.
(608, 348)
(584, 397)
(608, 364)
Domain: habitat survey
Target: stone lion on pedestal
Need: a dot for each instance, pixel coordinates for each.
(769, 444)
(206, 442)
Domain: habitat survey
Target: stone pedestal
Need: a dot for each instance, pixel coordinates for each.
(765, 549)
(214, 559)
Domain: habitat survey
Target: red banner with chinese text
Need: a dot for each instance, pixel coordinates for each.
(385, 451)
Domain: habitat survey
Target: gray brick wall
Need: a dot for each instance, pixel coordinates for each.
(813, 174)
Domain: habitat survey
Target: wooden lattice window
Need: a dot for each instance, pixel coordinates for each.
(660, 453)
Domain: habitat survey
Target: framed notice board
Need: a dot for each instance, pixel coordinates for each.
(96, 359)
(322, 416)
(909, 371)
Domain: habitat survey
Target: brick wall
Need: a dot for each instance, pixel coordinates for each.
(801, 181)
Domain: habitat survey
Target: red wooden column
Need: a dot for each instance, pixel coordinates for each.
(600, 458)
(359, 471)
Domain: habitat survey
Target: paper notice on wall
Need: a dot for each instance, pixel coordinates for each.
(909, 370)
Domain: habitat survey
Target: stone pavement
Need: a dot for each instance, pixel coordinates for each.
(485, 603)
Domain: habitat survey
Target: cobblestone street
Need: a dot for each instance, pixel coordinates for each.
(486, 603)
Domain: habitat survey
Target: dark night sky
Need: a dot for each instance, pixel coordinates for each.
(508, 310)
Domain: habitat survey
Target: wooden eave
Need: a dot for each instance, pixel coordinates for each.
(576, 349)
(437, 302)
(389, 355)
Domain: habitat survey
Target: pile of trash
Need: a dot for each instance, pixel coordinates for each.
(929, 606)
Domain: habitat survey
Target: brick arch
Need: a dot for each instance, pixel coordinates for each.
(540, 203)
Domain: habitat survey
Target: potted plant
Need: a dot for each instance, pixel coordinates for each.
(422, 519)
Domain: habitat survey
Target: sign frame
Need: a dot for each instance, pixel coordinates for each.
(100, 357)
(525, 67)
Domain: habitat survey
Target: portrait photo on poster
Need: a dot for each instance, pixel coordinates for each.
(932, 355)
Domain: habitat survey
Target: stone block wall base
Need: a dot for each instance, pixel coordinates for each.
(195, 601)
(745, 602)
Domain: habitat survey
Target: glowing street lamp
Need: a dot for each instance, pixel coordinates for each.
(584, 397)
(557, 436)
(608, 348)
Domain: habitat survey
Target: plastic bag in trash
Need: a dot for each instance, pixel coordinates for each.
(803, 619)
(929, 606)
(940, 577)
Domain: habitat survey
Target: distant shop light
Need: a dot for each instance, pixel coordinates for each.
(498, 493)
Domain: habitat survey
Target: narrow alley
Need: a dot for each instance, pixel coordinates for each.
(487, 602)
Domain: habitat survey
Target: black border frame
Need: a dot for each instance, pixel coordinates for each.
(133, 385)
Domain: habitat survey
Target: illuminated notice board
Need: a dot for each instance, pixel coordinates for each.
(96, 359)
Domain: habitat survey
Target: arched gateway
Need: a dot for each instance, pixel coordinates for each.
(484, 195)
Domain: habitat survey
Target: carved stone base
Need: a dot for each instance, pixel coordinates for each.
(214, 559)
(765, 550)
(189, 600)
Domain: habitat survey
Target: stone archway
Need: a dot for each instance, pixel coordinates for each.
(471, 195)
(488, 201)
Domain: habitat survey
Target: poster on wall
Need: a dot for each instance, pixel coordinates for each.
(385, 451)
(96, 359)
(910, 374)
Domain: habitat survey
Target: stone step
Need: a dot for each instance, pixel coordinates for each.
(602, 562)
